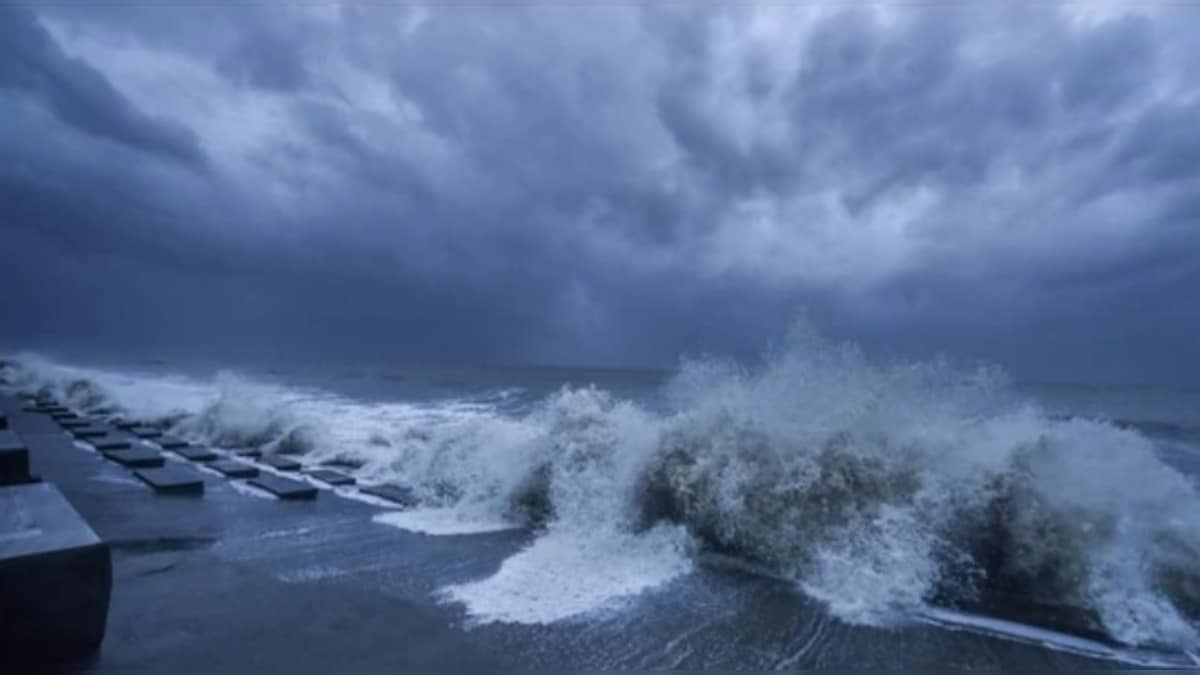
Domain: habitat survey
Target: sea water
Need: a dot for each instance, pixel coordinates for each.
(884, 493)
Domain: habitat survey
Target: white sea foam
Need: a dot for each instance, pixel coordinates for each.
(1055, 640)
(568, 574)
(149, 397)
(445, 521)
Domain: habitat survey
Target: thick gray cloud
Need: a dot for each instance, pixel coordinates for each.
(607, 184)
(266, 60)
(80, 96)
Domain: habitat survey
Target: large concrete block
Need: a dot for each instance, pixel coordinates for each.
(234, 469)
(172, 480)
(89, 432)
(10, 404)
(281, 463)
(3, 421)
(106, 443)
(79, 423)
(284, 488)
(146, 432)
(137, 457)
(397, 494)
(9, 440)
(32, 423)
(344, 463)
(55, 580)
(170, 442)
(248, 452)
(14, 460)
(47, 409)
(331, 477)
(195, 453)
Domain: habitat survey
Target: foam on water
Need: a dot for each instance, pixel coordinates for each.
(570, 573)
(879, 490)
(446, 521)
(150, 397)
(1058, 641)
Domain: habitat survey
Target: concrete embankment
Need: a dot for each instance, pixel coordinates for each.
(205, 575)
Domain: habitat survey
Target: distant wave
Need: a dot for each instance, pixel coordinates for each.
(879, 490)
(1161, 429)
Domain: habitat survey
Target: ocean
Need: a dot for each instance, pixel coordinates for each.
(816, 509)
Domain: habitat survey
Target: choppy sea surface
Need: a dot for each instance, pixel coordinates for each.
(883, 495)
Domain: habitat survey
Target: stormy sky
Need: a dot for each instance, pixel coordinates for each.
(605, 183)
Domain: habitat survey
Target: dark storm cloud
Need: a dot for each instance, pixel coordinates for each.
(611, 184)
(79, 95)
(267, 61)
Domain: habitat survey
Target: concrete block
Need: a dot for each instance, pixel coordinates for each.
(9, 440)
(62, 417)
(47, 409)
(146, 432)
(138, 458)
(195, 453)
(10, 404)
(331, 477)
(32, 423)
(106, 443)
(14, 460)
(397, 494)
(79, 423)
(281, 463)
(49, 445)
(3, 421)
(344, 463)
(170, 442)
(234, 469)
(248, 452)
(55, 580)
(284, 488)
(89, 432)
(172, 480)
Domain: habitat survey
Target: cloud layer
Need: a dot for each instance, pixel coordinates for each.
(606, 184)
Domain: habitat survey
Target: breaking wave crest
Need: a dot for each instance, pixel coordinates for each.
(879, 490)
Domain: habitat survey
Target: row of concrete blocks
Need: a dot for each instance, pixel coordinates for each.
(130, 449)
(56, 573)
